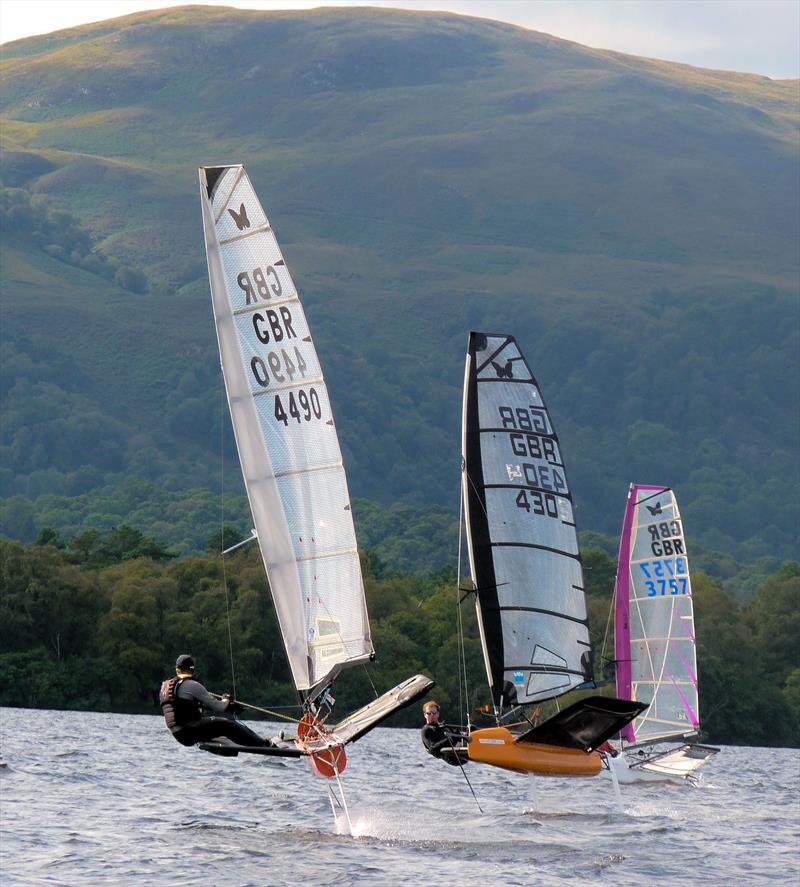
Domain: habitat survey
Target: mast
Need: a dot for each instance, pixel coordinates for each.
(622, 631)
(286, 437)
(522, 542)
(476, 522)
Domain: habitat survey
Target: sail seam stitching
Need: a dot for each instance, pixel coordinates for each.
(317, 557)
(290, 471)
(550, 435)
(266, 303)
(262, 229)
(567, 496)
(313, 380)
(514, 382)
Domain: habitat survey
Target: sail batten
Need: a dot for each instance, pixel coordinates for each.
(311, 380)
(262, 229)
(273, 303)
(285, 434)
(521, 539)
(529, 487)
(536, 547)
(654, 620)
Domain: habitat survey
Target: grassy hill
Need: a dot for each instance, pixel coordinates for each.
(634, 223)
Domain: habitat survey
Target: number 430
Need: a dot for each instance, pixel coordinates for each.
(540, 504)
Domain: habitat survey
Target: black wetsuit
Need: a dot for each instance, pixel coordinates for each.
(445, 743)
(183, 701)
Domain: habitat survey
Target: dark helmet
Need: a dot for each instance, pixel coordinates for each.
(184, 663)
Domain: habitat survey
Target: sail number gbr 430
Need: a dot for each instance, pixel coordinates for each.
(531, 436)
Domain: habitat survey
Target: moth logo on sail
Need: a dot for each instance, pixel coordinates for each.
(240, 218)
(503, 372)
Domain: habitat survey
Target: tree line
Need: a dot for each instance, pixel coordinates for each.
(95, 622)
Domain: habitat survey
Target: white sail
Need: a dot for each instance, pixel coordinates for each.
(658, 640)
(285, 434)
(523, 545)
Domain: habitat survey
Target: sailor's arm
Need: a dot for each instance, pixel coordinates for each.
(195, 690)
(442, 737)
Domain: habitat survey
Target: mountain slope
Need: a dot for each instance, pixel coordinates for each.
(634, 223)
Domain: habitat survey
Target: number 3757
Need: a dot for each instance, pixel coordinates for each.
(660, 581)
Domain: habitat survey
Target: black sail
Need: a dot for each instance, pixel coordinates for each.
(523, 545)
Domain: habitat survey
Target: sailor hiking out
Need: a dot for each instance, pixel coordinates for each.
(185, 701)
(441, 740)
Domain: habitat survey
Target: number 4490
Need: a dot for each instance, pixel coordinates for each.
(300, 408)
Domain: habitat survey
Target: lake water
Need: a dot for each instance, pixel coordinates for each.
(90, 799)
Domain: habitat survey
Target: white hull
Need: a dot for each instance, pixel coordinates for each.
(679, 765)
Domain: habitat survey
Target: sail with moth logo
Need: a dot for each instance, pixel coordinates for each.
(292, 465)
(654, 641)
(526, 568)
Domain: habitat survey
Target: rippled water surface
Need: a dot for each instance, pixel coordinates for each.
(113, 799)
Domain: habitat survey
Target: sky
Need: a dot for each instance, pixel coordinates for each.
(755, 36)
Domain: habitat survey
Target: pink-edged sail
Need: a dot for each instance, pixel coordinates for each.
(654, 618)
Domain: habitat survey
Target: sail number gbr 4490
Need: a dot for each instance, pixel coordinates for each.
(282, 365)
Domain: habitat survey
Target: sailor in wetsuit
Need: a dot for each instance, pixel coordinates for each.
(183, 702)
(440, 740)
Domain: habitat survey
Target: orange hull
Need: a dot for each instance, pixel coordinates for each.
(496, 746)
(326, 756)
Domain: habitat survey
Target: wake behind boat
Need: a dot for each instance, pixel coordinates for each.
(654, 642)
(526, 569)
(293, 472)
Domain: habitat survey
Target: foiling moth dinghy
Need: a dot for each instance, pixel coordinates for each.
(526, 571)
(292, 466)
(654, 642)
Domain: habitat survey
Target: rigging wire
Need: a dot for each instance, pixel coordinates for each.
(222, 521)
(371, 682)
(611, 609)
(464, 773)
(266, 711)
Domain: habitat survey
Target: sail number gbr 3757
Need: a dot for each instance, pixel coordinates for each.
(530, 435)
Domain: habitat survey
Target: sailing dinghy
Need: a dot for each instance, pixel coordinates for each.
(292, 466)
(654, 642)
(526, 570)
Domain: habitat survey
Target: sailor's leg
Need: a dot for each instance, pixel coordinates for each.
(212, 728)
(455, 755)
